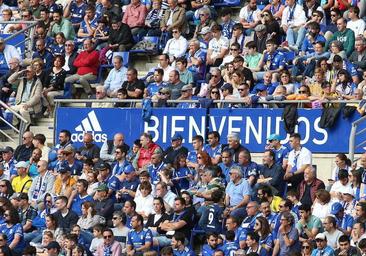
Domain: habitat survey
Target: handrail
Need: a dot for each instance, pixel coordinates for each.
(13, 112)
(195, 101)
(32, 24)
(352, 137)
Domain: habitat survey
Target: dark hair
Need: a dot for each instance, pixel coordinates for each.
(216, 195)
(122, 215)
(332, 220)
(179, 236)
(190, 197)
(216, 134)
(265, 227)
(362, 243)
(9, 187)
(235, 44)
(169, 250)
(99, 227)
(342, 174)
(160, 71)
(214, 234)
(305, 207)
(295, 136)
(320, 42)
(314, 25)
(40, 137)
(63, 198)
(253, 236)
(108, 230)
(230, 235)
(238, 59)
(266, 190)
(251, 45)
(271, 41)
(343, 238)
(182, 60)
(67, 133)
(61, 59)
(84, 183)
(90, 7)
(181, 200)
(139, 218)
(355, 9)
(132, 202)
(59, 11)
(72, 237)
(225, 11)
(198, 137)
(163, 210)
(344, 158)
(137, 143)
(13, 215)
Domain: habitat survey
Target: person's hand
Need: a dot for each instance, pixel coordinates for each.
(5, 89)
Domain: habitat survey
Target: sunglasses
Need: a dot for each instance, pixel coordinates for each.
(118, 152)
(306, 247)
(175, 31)
(233, 49)
(265, 15)
(105, 237)
(3, 185)
(215, 92)
(302, 92)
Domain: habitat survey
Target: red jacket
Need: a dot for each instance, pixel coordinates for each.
(87, 62)
(146, 154)
(315, 186)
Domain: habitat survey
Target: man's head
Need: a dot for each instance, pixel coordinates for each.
(341, 24)
(69, 46)
(81, 186)
(88, 140)
(176, 140)
(117, 62)
(100, 92)
(197, 142)
(252, 208)
(172, 4)
(265, 208)
(164, 60)
(179, 204)
(321, 241)
(145, 139)
(178, 240)
(271, 44)
(244, 157)
(232, 223)
(131, 75)
(295, 140)
(181, 64)
(213, 138)
(36, 154)
(227, 157)
(268, 157)
(344, 243)
(174, 77)
(61, 203)
(233, 140)
(158, 75)
(216, 31)
(88, 45)
(212, 240)
(129, 207)
(14, 64)
(7, 153)
(215, 75)
(309, 174)
(120, 153)
(304, 211)
(161, 189)
(330, 224)
(252, 5)
(29, 73)
(57, 16)
(108, 236)
(137, 222)
(42, 166)
(187, 91)
(265, 193)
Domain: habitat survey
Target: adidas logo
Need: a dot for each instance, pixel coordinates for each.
(91, 125)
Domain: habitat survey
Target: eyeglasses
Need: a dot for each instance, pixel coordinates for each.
(302, 92)
(105, 237)
(265, 15)
(281, 206)
(306, 247)
(233, 49)
(175, 31)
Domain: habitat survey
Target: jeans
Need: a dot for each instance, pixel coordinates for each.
(291, 36)
(300, 37)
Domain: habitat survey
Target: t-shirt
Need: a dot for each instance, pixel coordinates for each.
(286, 250)
(216, 45)
(139, 238)
(77, 12)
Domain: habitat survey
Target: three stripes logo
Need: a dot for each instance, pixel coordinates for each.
(91, 125)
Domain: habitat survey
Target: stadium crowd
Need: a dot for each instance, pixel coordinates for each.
(142, 199)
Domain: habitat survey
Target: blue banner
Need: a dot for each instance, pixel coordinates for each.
(17, 42)
(253, 125)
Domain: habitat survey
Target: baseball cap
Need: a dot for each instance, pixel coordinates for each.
(53, 245)
(22, 164)
(102, 187)
(260, 88)
(68, 150)
(177, 136)
(64, 168)
(336, 208)
(320, 236)
(274, 136)
(101, 166)
(7, 149)
(20, 196)
(348, 190)
(128, 169)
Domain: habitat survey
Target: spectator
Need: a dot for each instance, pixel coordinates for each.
(13, 230)
(152, 21)
(196, 59)
(88, 25)
(109, 245)
(177, 46)
(5, 87)
(309, 225)
(249, 16)
(187, 94)
(78, 197)
(23, 152)
(101, 94)
(64, 183)
(64, 217)
(108, 150)
(115, 77)
(174, 17)
(355, 23)
(345, 247)
(27, 102)
(89, 150)
(103, 204)
(22, 182)
(70, 56)
(139, 238)
(344, 35)
(217, 47)
(358, 56)
(287, 237)
(120, 37)
(43, 53)
(134, 86)
(7, 52)
(331, 232)
(60, 24)
(87, 63)
(178, 245)
(175, 85)
(321, 245)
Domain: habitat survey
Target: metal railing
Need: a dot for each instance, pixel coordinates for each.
(352, 138)
(22, 126)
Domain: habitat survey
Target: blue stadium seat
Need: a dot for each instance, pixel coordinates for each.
(125, 57)
(226, 3)
(151, 39)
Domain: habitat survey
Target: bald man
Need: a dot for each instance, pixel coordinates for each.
(41, 185)
(109, 147)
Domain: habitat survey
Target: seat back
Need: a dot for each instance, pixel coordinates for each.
(125, 56)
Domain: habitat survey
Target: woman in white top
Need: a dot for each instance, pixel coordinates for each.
(144, 202)
(322, 205)
(342, 162)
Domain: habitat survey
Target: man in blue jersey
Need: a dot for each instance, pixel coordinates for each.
(248, 167)
(273, 60)
(214, 147)
(79, 196)
(139, 239)
(281, 151)
(156, 166)
(128, 185)
(197, 143)
(88, 25)
(230, 246)
(75, 11)
(253, 245)
(212, 244)
(344, 221)
(211, 219)
(178, 245)
(120, 162)
(227, 163)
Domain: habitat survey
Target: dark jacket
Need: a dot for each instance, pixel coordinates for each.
(290, 117)
(354, 60)
(55, 80)
(315, 186)
(329, 117)
(70, 63)
(66, 222)
(121, 36)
